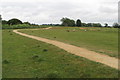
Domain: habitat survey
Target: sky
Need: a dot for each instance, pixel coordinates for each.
(51, 11)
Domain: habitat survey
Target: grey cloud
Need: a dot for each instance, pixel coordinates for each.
(108, 10)
(51, 11)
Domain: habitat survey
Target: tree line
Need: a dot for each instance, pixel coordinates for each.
(16, 23)
(78, 23)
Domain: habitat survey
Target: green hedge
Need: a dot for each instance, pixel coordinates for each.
(20, 26)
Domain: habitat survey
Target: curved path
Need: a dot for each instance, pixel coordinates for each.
(93, 56)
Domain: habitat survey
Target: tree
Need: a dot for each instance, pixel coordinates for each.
(84, 24)
(106, 25)
(4, 22)
(89, 25)
(97, 25)
(78, 23)
(116, 25)
(14, 21)
(26, 23)
(67, 22)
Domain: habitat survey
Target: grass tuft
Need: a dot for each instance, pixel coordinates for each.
(38, 46)
(35, 57)
(53, 75)
(11, 34)
(45, 50)
(40, 60)
(6, 62)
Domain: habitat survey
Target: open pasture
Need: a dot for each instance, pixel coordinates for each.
(28, 58)
(101, 40)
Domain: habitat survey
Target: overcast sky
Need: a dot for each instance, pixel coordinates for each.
(51, 11)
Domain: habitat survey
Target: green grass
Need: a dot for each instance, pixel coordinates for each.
(102, 40)
(28, 58)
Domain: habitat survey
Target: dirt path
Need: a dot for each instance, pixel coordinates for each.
(93, 56)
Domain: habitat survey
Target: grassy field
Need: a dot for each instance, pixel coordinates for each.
(28, 58)
(101, 40)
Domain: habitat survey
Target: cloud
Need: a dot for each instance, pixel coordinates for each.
(51, 11)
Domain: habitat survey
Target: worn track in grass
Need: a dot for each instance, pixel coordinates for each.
(91, 55)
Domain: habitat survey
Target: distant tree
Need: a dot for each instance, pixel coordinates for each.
(89, 25)
(26, 23)
(84, 24)
(116, 25)
(14, 21)
(106, 25)
(78, 23)
(67, 22)
(97, 25)
(4, 22)
(51, 24)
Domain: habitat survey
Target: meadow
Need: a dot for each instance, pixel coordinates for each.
(101, 40)
(29, 58)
